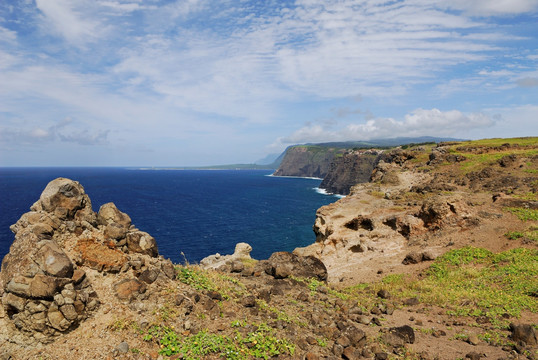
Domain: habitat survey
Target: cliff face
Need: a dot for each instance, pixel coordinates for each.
(351, 168)
(307, 161)
(428, 198)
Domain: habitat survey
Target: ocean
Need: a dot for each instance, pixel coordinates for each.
(190, 213)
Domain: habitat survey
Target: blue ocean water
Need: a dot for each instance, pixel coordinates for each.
(194, 212)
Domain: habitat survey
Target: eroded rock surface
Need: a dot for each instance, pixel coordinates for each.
(44, 282)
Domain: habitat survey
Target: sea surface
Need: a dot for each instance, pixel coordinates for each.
(191, 213)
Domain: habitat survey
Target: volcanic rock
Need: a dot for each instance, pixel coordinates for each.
(44, 284)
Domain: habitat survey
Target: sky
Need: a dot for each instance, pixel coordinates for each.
(201, 82)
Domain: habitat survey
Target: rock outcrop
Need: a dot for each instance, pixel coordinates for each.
(217, 261)
(44, 278)
(415, 200)
(307, 161)
(350, 169)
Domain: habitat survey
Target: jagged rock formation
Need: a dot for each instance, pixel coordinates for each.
(350, 169)
(216, 261)
(307, 161)
(417, 198)
(44, 278)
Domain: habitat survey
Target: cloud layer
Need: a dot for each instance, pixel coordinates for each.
(219, 77)
(420, 122)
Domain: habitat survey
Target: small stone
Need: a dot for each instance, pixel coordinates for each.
(128, 289)
(149, 276)
(338, 350)
(367, 353)
(383, 294)
(311, 356)
(381, 356)
(215, 295)
(69, 312)
(412, 258)
(473, 339)
(428, 256)
(411, 301)
(249, 301)
(405, 332)
(344, 341)
(474, 356)
(524, 333)
(123, 347)
(237, 266)
(351, 353)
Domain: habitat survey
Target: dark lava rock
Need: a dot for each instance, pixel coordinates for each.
(405, 332)
(523, 333)
(284, 264)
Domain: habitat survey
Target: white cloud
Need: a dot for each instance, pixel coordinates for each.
(65, 131)
(420, 122)
(195, 69)
(7, 35)
(487, 7)
(61, 17)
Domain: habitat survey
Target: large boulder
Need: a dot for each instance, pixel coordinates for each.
(116, 222)
(62, 197)
(284, 264)
(216, 261)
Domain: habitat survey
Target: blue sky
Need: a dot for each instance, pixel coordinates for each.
(196, 82)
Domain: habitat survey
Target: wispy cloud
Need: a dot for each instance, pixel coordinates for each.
(65, 130)
(64, 18)
(491, 7)
(232, 73)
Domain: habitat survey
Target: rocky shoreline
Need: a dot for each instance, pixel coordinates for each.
(79, 284)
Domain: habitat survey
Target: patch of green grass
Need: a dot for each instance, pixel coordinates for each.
(314, 285)
(523, 141)
(524, 214)
(393, 279)
(490, 284)
(260, 343)
(531, 234)
(477, 161)
(166, 312)
(209, 280)
(468, 282)
(528, 196)
(196, 278)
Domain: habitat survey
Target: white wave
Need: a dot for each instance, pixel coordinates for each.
(295, 177)
(324, 192)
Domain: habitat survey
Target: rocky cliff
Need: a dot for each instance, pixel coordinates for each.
(351, 168)
(426, 197)
(307, 161)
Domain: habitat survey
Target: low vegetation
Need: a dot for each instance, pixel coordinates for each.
(259, 343)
